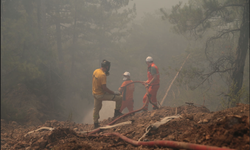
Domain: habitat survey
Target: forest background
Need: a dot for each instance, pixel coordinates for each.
(50, 48)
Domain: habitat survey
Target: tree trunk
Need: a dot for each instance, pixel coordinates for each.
(44, 45)
(39, 16)
(43, 24)
(2, 16)
(241, 53)
(59, 40)
(74, 45)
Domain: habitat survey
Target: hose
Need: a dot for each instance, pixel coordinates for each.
(107, 127)
(146, 89)
(112, 122)
(42, 128)
(169, 144)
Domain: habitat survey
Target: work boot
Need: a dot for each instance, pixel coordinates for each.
(154, 108)
(117, 113)
(96, 125)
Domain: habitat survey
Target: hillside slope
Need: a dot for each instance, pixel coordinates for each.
(227, 128)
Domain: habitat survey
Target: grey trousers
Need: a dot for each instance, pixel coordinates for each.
(106, 97)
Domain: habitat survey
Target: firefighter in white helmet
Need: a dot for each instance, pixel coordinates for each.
(127, 92)
(153, 82)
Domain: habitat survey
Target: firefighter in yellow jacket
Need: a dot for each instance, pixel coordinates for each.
(101, 92)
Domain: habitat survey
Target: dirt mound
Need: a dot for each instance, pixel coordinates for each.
(232, 131)
(74, 145)
(196, 124)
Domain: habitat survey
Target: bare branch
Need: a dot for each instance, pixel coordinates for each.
(211, 73)
(223, 32)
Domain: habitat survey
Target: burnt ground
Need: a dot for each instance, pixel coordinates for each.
(228, 128)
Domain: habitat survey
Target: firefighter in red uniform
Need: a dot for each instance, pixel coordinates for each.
(153, 82)
(127, 92)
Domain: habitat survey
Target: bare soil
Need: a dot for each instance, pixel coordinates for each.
(227, 128)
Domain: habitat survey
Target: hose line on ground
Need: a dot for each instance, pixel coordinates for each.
(163, 143)
(169, 144)
(112, 122)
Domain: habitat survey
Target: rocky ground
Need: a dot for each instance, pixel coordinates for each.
(227, 128)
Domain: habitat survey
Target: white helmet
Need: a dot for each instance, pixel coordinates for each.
(149, 59)
(126, 74)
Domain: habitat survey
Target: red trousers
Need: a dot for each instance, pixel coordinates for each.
(153, 92)
(129, 104)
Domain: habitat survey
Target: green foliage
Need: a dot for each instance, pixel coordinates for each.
(233, 99)
(9, 113)
(198, 16)
(53, 46)
(187, 17)
(225, 46)
(190, 73)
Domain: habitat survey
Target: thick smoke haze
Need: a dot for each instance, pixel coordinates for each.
(50, 49)
(151, 6)
(143, 8)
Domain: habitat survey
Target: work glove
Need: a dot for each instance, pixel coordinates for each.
(117, 93)
(146, 85)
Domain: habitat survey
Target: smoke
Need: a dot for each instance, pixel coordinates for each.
(106, 112)
(109, 106)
